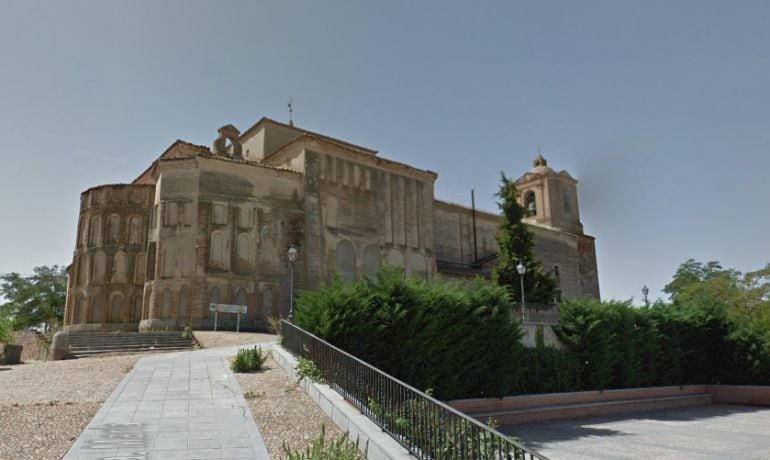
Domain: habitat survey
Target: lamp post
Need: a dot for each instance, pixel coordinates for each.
(645, 291)
(291, 253)
(522, 270)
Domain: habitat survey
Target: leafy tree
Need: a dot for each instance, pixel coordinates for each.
(516, 244)
(748, 294)
(34, 299)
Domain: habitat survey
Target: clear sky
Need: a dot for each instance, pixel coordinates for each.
(660, 109)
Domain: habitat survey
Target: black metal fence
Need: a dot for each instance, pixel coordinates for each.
(425, 426)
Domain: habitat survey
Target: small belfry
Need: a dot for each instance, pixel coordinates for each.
(550, 197)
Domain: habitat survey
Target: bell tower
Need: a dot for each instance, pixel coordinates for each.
(550, 198)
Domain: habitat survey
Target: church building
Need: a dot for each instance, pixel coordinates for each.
(213, 225)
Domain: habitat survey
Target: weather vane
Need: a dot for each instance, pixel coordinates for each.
(291, 110)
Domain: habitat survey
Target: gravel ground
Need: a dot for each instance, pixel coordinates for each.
(283, 411)
(44, 405)
(211, 339)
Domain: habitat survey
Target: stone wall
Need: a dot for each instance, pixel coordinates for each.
(108, 268)
(574, 255)
(243, 217)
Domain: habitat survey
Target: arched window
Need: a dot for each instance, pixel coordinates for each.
(395, 258)
(83, 273)
(80, 313)
(165, 304)
(345, 258)
(217, 248)
(95, 231)
(139, 268)
(136, 313)
(529, 203)
(243, 249)
(267, 302)
(116, 305)
(97, 309)
(184, 302)
(83, 235)
(100, 266)
(114, 230)
(417, 265)
(135, 233)
(241, 297)
(119, 268)
(72, 311)
(168, 259)
(567, 202)
(371, 260)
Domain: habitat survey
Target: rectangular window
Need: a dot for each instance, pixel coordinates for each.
(220, 213)
(170, 213)
(244, 216)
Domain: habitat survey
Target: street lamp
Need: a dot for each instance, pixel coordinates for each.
(291, 253)
(645, 291)
(522, 270)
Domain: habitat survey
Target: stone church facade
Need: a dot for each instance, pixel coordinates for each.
(212, 225)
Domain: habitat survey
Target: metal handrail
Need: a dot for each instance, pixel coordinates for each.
(425, 426)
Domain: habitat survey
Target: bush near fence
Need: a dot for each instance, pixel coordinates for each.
(455, 339)
(460, 341)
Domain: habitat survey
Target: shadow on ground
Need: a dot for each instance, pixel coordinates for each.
(538, 435)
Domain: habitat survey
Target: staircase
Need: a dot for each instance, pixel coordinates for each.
(83, 344)
(560, 406)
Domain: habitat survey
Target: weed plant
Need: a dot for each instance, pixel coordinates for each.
(321, 449)
(248, 360)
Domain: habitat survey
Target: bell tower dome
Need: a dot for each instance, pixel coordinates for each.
(550, 198)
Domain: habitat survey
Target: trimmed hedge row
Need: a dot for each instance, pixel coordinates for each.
(460, 341)
(452, 338)
(620, 346)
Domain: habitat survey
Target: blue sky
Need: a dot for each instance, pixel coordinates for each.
(660, 109)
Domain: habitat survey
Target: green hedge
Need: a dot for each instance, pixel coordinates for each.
(620, 346)
(455, 339)
(460, 340)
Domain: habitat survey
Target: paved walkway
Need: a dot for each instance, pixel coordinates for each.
(175, 406)
(702, 432)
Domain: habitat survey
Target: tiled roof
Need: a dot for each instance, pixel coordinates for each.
(329, 140)
(304, 131)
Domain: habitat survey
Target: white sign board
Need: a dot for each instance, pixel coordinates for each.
(227, 308)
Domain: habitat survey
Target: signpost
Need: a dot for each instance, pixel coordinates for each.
(228, 308)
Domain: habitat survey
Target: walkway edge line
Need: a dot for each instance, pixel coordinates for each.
(349, 419)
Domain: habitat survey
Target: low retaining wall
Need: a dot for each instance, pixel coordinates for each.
(515, 410)
(745, 395)
(380, 446)
(581, 397)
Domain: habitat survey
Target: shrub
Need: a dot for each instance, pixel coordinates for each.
(306, 369)
(187, 333)
(248, 360)
(339, 449)
(430, 334)
(619, 346)
(6, 330)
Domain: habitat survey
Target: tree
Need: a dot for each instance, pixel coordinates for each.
(35, 299)
(516, 244)
(696, 283)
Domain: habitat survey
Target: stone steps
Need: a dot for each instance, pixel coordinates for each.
(90, 344)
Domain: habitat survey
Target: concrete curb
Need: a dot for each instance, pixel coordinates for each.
(349, 419)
